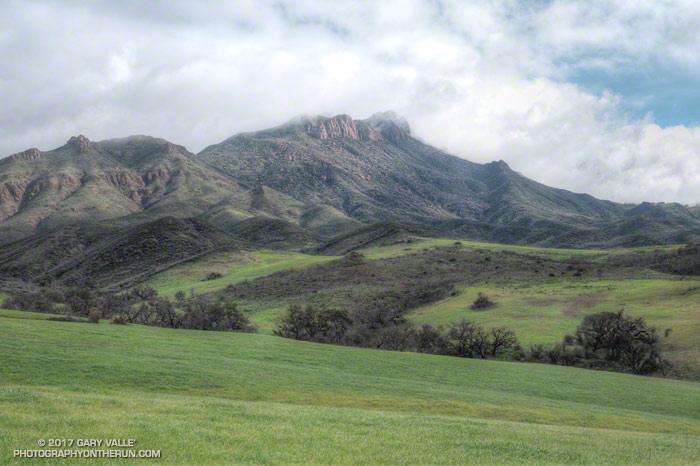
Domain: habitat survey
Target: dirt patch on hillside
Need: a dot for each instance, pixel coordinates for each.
(543, 302)
(575, 306)
(578, 305)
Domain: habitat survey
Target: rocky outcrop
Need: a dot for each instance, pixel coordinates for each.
(340, 126)
(80, 143)
(389, 125)
(11, 194)
(53, 183)
(157, 174)
(380, 126)
(12, 191)
(29, 154)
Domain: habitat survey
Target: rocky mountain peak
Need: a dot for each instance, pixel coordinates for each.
(80, 143)
(390, 125)
(379, 127)
(380, 119)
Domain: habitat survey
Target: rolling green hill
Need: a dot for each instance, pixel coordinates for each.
(539, 307)
(215, 398)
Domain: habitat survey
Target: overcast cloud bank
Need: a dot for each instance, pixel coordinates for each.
(484, 82)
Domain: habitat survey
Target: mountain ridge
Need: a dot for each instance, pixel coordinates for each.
(320, 177)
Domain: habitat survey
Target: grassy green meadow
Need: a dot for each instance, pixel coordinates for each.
(393, 250)
(222, 398)
(214, 398)
(235, 268)
(8, 313)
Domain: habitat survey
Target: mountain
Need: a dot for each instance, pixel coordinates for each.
(128, 181)
(374, 170)
(311, 182)
(87, 181)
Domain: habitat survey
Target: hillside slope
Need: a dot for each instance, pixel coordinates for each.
(135, 180)
(112, 257)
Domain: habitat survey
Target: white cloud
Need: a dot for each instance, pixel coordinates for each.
(486, 82)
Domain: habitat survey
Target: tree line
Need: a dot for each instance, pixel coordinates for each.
(141, 305)
(606, 340)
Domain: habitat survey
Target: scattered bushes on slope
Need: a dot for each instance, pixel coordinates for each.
(607, 340)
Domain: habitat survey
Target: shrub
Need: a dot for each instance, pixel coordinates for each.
(610, 340)
(537, 353)
(113, 304)
(395, 338)
(296, 323)
(313, 324)
(79, 301)
(119, 320)
(213, 276)
(501, 339)
(94, 316)
(143, 293)
(482, 302)
(201, 313)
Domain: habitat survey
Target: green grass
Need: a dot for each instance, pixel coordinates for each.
(25, 315)
(393, 250)
(545, 313)
(235, 268)
(214, 398)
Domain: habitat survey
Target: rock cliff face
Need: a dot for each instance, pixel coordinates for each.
(29, 154)
(379, 127)
(11, 194)
(340, 126)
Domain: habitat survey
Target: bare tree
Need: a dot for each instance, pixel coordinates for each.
(502, 338)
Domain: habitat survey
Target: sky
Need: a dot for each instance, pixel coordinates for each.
(601, 97)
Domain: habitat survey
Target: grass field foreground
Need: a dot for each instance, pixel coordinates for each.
(210, 397)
